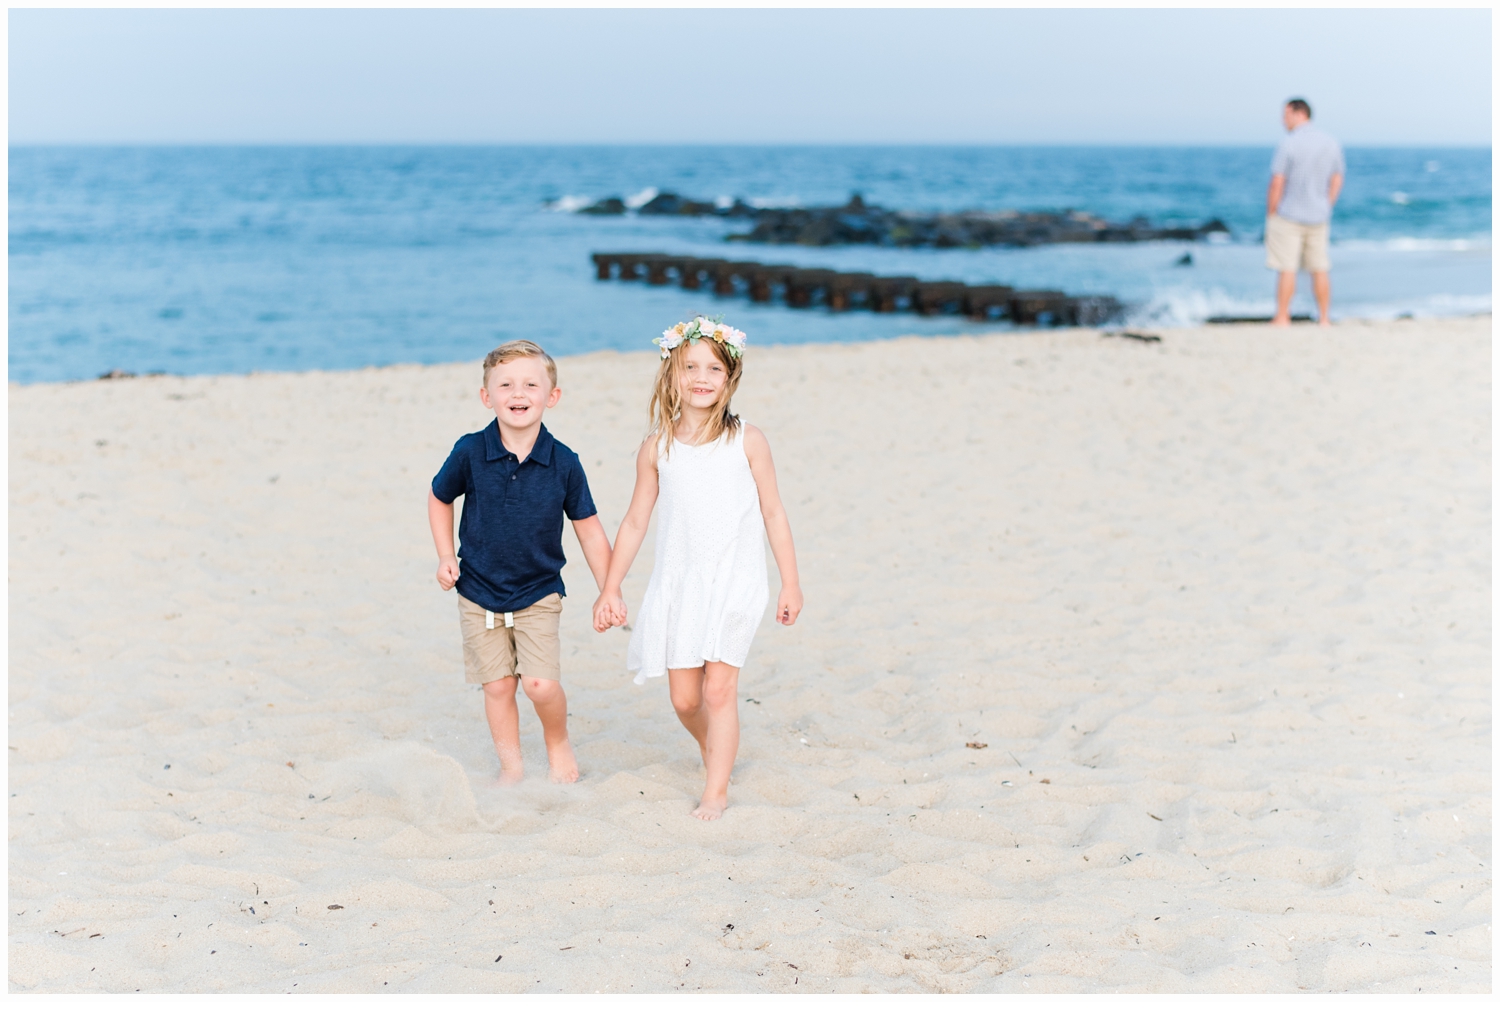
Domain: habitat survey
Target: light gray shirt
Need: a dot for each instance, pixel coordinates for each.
(1308, 158)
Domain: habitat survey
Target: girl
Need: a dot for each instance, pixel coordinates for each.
(717, 486)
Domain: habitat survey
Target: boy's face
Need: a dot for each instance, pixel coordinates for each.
(702, 376)
(518, 391)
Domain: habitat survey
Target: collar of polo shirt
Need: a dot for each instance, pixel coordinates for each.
(494, 449)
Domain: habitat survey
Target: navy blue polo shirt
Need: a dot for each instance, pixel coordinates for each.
(510, 537)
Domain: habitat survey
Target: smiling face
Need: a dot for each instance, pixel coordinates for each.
(701, 375)
(518, 391)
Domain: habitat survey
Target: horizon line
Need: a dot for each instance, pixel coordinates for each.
(1466, 145)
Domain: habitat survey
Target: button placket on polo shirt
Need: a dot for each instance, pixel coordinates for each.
(510, 486)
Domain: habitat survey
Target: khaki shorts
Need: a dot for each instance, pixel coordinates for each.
(529, 648)
(1292, 246)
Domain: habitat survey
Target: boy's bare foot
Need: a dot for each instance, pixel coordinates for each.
(511, 776)
(710, 808)
(562, 767)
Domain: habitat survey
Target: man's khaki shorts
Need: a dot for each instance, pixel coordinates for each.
(528, 648)
(1291, 246)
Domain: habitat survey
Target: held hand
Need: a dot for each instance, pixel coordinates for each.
(609, 611)
(788, 605)
(447, 573)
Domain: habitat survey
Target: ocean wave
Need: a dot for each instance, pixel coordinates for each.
(642, 198)
(1192, 306)
(568, 204)
(1433, 305)
(774, 203)
(1413, 244)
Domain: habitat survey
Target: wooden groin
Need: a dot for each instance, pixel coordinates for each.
(836, 291)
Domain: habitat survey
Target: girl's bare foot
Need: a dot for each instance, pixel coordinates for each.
(710, 808)
(562, 767)
(511, 776)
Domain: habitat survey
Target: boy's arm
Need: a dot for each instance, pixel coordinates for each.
(778, 529)
(595, 544)
(440, 518)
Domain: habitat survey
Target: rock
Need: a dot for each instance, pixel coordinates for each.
(861, 223)
(609, 205)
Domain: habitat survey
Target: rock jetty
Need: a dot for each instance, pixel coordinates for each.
(859, 223)
(806, 287)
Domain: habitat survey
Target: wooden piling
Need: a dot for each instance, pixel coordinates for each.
(983, 301)
(887, 293)
(847, 290)
(930, 298)
(1030, 306)
(802, 286)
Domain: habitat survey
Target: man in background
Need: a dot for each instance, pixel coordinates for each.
(1307, 173)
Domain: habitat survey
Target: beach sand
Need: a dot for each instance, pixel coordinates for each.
(1125, 666)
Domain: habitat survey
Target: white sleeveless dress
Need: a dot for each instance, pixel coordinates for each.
(708, 589)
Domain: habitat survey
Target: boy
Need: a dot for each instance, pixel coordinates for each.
(518, 482)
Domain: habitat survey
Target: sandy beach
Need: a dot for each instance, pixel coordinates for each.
(1125, 666)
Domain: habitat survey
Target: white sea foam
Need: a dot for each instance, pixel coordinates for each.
(569, 204)
(1430, 307)
(1413, 244)
(642, 198)
(1191, 306)
(792, 201)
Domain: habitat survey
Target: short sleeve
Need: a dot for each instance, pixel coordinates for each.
(453, 480)
(1281, 160)
(578, 503)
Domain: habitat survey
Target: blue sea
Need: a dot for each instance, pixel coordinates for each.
(238, 259)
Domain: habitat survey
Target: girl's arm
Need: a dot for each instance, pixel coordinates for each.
(609, 609)
(778, 530)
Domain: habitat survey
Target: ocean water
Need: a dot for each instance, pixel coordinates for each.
(236, 259)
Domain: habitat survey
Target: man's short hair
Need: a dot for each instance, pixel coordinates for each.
(1300, 105)
(511, 350)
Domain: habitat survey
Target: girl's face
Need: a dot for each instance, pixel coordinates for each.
(702, 376)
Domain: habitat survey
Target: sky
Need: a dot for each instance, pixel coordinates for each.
(1397, 77)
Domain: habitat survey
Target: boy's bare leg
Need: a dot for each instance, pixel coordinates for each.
(686, 687)
(505, 726)
(721, 684)
(552, 709)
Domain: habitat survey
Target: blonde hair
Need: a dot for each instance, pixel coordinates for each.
(511, 350)
(666, 398)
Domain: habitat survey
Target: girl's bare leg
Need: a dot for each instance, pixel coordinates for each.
(721, 684)
(686, 688)
(505, 726)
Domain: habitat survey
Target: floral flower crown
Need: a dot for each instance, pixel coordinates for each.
(701, 328)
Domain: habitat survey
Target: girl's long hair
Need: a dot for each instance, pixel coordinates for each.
(666, 398)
